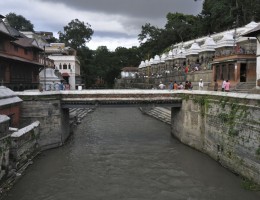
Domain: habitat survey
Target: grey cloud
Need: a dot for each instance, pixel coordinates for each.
(132, 14)
(112, 34)
(136, 8)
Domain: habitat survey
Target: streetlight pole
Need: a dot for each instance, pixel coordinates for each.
(44, 63)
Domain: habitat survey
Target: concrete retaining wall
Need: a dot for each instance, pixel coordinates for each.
(17, 150)
(54, 120)
(225, 127)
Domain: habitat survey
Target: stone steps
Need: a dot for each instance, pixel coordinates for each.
(163, 114)
(77, 114)
(244, 87)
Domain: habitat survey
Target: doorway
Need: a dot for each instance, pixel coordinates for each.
(243, 72)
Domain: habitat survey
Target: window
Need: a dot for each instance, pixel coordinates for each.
(60, 66)
(25, 51)
(64, 66)
(69, 66)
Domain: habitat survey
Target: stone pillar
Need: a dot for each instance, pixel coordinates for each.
(54, 120)
(237, 71)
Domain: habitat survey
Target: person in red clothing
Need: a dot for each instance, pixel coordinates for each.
(186, 69)
(227, 86)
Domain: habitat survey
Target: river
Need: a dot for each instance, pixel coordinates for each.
(121, 154)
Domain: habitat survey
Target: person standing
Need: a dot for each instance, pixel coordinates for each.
(201, 85)
(186, 69)
(186, 86)
(161, 86)
(216, 86)
(171, 85)
(223, 85)
(227, 86)
(190, 85)
(180, 86)
(175, 86)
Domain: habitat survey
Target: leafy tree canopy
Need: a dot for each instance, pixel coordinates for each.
(19, 22)
(76, 34)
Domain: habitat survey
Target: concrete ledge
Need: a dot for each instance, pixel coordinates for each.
(136, 92)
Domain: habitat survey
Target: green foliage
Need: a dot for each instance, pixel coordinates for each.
(76, 34)
(106, 65)
(204, 104)
(19, 22)
(257, 152)
(250, 185)
(234, 113)
(223, 101)
(182, 25)
(233, 132)
(185, 97)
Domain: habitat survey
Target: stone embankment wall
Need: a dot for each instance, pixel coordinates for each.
(178, 76)
(55, 122)
(225, 127)
(17, 149)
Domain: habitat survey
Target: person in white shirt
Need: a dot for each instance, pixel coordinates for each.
(201, 85)
(161, 86)
(223, 86)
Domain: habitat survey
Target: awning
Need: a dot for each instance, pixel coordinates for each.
(65, 74)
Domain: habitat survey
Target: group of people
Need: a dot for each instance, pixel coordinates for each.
(188, 85)
(176, 86)
(225, 87)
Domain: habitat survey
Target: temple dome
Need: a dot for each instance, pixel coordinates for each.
(226, 41)
(194, 49)
(156, 59)
(142, 64)
(209, 45)
(147, 63)
(169, 56)
(163, 57)
(181, 53)
(151, 61)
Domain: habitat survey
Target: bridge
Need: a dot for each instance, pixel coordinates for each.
(110, 98)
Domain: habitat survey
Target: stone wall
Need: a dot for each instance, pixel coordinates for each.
(17, 149)
(54, 120)
(24, 145)
(4, 146)
(178, 76)
(225, 127)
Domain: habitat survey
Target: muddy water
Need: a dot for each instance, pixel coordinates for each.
(120, 154)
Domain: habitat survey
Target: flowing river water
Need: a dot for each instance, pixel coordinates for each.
(121, 154)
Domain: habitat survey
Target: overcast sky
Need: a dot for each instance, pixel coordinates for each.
(115, 22)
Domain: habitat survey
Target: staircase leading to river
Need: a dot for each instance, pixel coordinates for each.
(160, 113)
(244, 87)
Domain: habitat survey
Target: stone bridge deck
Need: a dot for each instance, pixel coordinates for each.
(119, 98)
(125, 97)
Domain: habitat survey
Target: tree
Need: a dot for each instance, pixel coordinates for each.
(183, 26)
(127, 57)
(76, 34)
(152, 40)
(19, 22)
(217, 16)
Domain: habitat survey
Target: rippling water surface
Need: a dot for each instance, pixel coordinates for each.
(120, 154)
